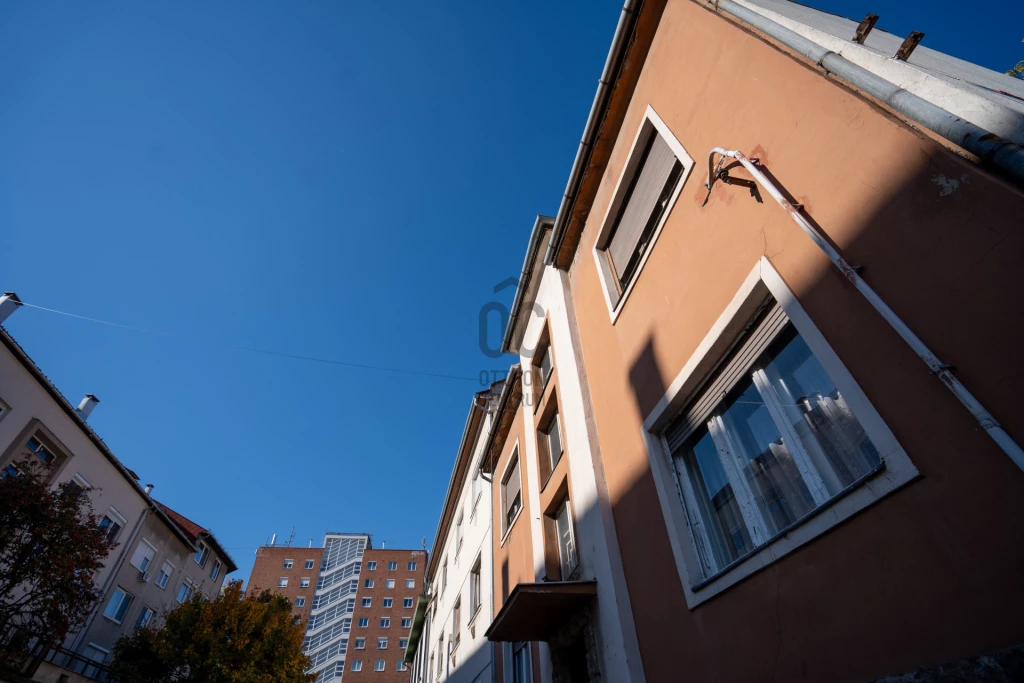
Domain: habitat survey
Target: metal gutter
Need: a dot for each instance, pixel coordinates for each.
(511, 380)
(627, 19)
(986, 145)
(935, 366)
(539, 226)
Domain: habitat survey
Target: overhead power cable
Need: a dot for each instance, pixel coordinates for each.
(251, 349)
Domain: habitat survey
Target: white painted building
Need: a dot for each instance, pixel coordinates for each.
(450, 644)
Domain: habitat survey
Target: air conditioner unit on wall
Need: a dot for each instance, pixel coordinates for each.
(144, 576)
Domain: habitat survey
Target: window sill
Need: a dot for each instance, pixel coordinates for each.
(814, 526)
(111, 619)
(476, 613)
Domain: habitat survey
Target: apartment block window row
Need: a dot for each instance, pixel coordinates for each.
(337, 575)
(328, 653)
(336, 631)
(325, 599)
(325, 618)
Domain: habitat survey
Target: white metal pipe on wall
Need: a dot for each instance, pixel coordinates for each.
(936, 366)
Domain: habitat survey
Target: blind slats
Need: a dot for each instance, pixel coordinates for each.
(641, 203)
(729, 375)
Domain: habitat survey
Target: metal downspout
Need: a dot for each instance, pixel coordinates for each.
(936, 366)
(611, 65)
(1005, 155)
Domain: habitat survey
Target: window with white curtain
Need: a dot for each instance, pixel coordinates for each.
(768, 440)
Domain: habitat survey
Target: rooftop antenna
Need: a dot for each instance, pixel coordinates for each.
(424, 542)
(290, 537)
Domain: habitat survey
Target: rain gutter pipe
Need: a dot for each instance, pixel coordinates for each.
(936, 366)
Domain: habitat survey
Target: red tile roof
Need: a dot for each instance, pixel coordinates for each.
(191, 529)
(195, 532)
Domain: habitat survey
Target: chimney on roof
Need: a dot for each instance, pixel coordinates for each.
(148, 489)
(86, 406)
(9, 303)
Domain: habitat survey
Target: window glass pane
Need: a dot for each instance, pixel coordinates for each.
(824, 423)
(566, 547)
(719, 508)
(554, 435)
(763, 458)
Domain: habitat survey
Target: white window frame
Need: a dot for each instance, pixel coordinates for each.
(368, 583)
(406, 622)
(203, 550)
(357, 665)
(116, 517)
(170, 574)
(410, 583)
(393, 566)
(388, 603)
(367, 602)
(385, 622)
(308, 564)
(143, 543)
(215, 570)
(379, 664)
(190, 588)
(300, 601)
(384, 640)
(389, 584)
(407, 603)
(304, 582)
(371, 565)
(288, 563)
(403, 643)
(360, 644)
(411, 566)
(650, 123)
(674, 493)
(125, 595)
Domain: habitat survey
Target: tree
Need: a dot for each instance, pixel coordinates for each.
(1017, 71)
(50, 547)
(232, 639)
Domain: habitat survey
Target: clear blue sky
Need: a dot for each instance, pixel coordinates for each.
(334, 179)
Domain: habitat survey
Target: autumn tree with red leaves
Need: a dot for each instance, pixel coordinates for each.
(50, 547)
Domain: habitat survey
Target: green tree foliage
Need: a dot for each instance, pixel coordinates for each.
(233, 639)
(1017, 71)
(50, 546)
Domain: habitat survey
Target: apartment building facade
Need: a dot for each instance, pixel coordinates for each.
(292, 572)
(449, 642)
(161, 557)
(390, 584)
(357, 603)
(777, 466)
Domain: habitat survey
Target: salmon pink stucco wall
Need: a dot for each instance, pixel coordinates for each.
(927, 575)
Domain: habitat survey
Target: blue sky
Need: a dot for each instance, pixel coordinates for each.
(340, 180)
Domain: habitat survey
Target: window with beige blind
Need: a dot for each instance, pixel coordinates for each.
(654, 173)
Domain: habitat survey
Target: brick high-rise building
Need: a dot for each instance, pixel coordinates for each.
(389, 584)
(346, 572)
(292, 572)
